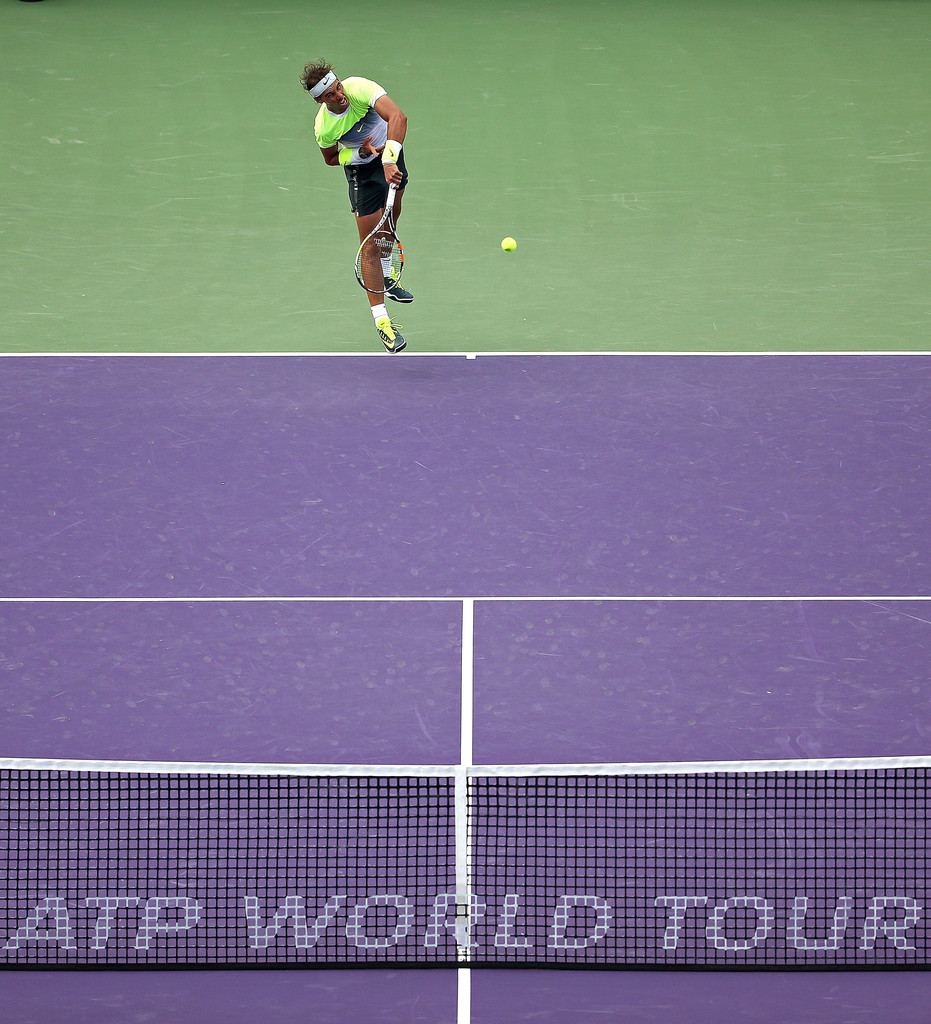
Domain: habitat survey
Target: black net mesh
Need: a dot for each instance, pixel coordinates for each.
(185, 869)
(807, 869)
(775, 869)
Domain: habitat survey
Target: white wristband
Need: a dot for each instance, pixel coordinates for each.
(391, 153)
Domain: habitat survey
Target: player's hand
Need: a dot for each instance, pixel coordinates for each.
(393, 175)
(367, 149)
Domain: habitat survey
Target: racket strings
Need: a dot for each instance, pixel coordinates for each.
(380, 262)
(391, 259)
(369, 267)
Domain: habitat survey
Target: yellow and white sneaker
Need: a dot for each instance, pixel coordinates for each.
(390, 334)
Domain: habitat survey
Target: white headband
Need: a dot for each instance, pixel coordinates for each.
(321, 87)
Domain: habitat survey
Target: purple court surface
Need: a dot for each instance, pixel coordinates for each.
(441, 476)
(264, 559)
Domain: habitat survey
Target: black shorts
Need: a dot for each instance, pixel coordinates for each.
(368, 189)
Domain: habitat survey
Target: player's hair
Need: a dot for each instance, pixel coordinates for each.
(314, 72)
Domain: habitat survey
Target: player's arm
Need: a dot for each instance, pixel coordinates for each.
(330, 155)
(389, 111)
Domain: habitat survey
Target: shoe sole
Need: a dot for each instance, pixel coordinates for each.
(394, 298)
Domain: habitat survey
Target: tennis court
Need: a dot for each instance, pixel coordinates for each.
(634, 534)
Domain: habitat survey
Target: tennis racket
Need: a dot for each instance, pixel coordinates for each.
(380, 258)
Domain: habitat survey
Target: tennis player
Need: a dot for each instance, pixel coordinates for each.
(360, 128)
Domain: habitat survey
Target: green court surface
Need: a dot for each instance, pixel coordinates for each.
(679, 174)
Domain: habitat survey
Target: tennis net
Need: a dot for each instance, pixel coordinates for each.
(611, 866)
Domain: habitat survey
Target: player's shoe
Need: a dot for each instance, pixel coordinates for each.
(390, 334)
(397, 293)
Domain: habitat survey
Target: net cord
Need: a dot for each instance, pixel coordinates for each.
(470, 770)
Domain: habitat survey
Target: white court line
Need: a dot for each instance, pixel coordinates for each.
(463, 866)
(459, 598)
(464, 354)
(467, 688)
(464, 995)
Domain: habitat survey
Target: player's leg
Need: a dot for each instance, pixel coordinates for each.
(370, 265)
(397, 293)
(367, 194)
(388, 331)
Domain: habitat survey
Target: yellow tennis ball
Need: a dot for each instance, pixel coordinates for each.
(508, 244)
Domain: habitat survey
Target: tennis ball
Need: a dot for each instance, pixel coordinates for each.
(508, 244)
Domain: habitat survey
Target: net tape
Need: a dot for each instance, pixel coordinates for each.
(674, 869)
